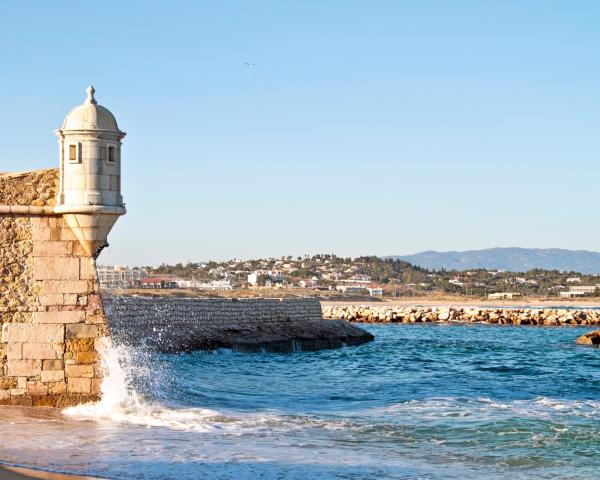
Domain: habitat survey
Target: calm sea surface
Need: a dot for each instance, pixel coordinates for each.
(420, 402)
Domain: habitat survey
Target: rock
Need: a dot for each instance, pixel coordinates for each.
(591, 338)
(517, 316)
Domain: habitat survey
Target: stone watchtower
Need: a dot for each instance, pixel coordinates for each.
(89, 195)
(53, 224)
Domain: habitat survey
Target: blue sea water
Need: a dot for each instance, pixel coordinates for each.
(420, 402)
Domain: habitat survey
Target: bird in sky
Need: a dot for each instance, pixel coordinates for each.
(252, 65)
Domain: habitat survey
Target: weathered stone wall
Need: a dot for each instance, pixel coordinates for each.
(503, 316)
(50, 309)
(38, 188)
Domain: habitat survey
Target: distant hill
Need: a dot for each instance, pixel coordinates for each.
(511, 259)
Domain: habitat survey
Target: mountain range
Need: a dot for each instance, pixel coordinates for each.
(510, 259)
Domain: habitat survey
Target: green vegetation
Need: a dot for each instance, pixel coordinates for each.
(396, 276)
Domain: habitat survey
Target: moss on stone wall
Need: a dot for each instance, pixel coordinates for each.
(38, 188)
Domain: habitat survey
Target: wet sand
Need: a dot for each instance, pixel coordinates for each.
(14, 418)
(18, 473)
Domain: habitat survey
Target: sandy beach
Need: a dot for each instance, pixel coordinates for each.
(18, 473)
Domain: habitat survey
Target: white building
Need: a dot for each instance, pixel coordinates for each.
(275, 276)
(351, 289)
(360, 279)
(584, 288)
(120, 276)
(309, 282)
(215, 285)
(184, 282)
(571, 294)
(504, 296)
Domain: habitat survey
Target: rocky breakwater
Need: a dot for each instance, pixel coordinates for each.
(250, 324)
(503, 316)
(591, 338)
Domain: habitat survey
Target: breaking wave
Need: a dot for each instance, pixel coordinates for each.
(416, 403)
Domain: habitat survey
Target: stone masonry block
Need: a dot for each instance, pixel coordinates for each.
(78, 250)
(57, 387)
(53, 365)
(82, 331)
(55, 268)
(39, 222)
(82, 371)
(52, 299)
(67, 234)
(80, 345)
(70, 299)
(24, 368)
(87, 270)
(52, 376)
(79, 385)
(33, 333)
(76, 316)
(51, 249)
(64, 286)
(41, 351)
(55, 234)
(14, 351)
(87, 357)
(41, 233)
(96, 385)
(35, 388)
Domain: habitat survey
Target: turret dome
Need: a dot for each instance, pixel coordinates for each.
(90, 116)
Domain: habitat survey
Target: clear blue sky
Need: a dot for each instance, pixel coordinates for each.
(375, 127)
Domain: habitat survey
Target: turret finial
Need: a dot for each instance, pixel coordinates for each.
(90, 95)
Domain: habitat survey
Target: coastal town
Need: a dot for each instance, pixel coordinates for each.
(368, 275)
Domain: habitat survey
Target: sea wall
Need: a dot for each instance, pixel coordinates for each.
(50, 309)
(176, 324)
(505, 316)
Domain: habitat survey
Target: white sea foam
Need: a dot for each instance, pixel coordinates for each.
(121, 403)
(540, 407)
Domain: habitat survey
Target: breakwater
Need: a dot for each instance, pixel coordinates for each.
(174, 324)
(503, 316)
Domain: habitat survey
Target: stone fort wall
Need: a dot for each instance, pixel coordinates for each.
(50, 309)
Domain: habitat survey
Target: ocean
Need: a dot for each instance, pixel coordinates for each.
(430, 401)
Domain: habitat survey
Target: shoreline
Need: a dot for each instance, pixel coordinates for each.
(8, 472)
(337, 298)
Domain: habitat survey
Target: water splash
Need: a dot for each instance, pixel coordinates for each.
(118, 394)
(122, 403)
